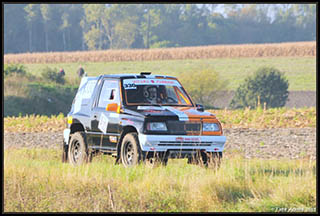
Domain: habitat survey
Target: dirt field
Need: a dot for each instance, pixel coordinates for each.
(277, 143)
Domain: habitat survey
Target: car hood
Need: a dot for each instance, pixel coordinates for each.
(176, 112)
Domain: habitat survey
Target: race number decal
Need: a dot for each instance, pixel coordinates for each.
(129, 86)
(103, 123)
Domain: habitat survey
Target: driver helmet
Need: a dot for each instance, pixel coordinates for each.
(150, 93)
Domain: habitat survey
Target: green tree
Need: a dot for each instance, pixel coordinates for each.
(45, 12)
(14, 28)
(32, 13)
(194, 24)
(150, 21)
(203, 85)
(65, 26)
(267, 86)
(120, 30)
(93, 21)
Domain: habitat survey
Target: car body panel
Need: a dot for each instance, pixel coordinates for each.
(104, 128)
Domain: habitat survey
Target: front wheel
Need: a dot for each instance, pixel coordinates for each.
(130, 150)
(78, 151)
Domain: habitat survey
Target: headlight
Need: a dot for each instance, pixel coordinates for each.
(156, 126)
(210, 127)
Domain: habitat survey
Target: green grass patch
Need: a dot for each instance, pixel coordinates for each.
(35, 180)
(300, 71)
(40, 99)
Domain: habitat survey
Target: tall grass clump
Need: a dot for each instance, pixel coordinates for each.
(52, 75)
(36, 181)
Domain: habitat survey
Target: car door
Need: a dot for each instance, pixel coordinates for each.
(104, 123)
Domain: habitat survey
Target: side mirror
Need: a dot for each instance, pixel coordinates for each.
(200, 107)
(113, 107)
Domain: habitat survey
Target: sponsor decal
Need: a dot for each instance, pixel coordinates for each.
(113, 139)
(103, 123)
(126, 121)
(153, 111)
(129, 86)
(132, 83)
(179, 139)
(189, 139)
(149, 108)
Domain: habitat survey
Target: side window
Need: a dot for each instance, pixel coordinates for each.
(109, 93)
(171, 92)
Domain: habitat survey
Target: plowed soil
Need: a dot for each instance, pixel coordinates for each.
(291, 143)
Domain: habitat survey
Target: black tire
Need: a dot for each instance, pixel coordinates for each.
(130, 150)
(64, 153)
(78, 150)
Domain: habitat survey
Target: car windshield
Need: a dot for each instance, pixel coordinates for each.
(155, 92)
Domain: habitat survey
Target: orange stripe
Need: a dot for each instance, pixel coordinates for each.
(205, 119)
(175, 90)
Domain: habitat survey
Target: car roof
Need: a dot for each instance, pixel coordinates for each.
(125, 76)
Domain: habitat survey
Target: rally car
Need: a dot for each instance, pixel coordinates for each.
(140, 118)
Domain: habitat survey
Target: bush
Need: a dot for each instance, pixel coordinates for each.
(51, 75)
(267, 86)
(41, 99)
(18, 69)
(203, 85)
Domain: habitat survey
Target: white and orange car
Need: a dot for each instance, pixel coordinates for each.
(140, 118)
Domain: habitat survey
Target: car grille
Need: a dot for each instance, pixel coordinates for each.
(183, 127)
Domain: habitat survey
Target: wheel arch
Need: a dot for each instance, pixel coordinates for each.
(125, 130)
(76, 127)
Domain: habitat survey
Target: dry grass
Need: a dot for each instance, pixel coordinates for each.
(34, 123)
(297, 49)
(16, 85)
(36, 181)
(267, 118)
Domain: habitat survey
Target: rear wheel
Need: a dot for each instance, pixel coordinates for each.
(130, 150)
(78, 151)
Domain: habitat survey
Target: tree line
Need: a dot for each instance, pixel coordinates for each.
(73, 27)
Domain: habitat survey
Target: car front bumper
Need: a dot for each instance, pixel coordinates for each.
(161, 143)
(66, 134)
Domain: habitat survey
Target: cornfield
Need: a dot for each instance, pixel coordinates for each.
(293, 49)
